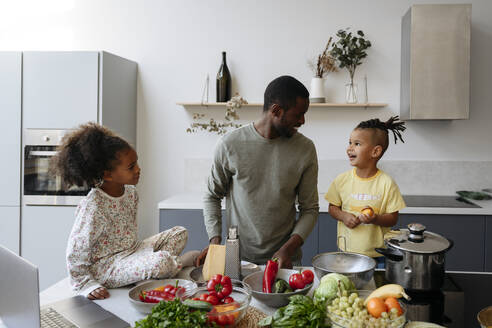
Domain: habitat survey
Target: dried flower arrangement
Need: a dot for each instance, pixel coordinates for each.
(325, 63)
(219, 127)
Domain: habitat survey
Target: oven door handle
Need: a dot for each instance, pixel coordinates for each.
(43, 152)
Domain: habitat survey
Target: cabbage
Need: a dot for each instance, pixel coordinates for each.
(328, 287)
(346, 282)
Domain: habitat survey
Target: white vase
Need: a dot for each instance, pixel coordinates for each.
(317, 93)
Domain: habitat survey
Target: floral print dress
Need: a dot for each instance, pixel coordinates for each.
(103, 249)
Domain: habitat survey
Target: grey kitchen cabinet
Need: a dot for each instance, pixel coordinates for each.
(10, 143)
(61, 90)
(467, 233)
(44, 238)
(10, 227)
(428, 77)
(488, 243)
(192, 219)
(327, 233)
(310, 246)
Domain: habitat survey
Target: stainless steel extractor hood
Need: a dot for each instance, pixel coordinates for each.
(435, 62)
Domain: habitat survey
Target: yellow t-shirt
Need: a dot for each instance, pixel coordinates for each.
(352, 194)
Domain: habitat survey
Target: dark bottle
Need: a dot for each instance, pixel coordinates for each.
(223, 81)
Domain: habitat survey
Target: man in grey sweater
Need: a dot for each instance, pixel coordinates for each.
(261, 169)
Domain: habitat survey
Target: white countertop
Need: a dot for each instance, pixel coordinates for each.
(119, 304)
(195, 201)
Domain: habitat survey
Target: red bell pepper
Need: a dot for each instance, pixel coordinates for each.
(221, 285)
(271, 270)
(154, 296)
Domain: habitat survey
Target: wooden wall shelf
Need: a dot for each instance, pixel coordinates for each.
(322, 105)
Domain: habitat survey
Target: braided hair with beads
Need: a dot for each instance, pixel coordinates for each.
(381, 129)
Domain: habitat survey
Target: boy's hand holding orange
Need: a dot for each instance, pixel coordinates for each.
(367, 215)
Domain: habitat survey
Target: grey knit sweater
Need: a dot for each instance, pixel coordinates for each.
(261, 180)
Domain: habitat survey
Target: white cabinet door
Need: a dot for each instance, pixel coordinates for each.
(60, 89)
(9, 227)
(44, 237)
(10, 142)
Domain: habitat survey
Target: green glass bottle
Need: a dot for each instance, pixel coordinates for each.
(223, 81)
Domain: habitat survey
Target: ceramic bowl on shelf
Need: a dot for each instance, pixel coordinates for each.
(226, 315)
(274, 300)
(134, 293)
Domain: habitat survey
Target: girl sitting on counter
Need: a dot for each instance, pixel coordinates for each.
(103, 250)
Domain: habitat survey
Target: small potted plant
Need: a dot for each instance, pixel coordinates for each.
(349, 51)
(325, 64)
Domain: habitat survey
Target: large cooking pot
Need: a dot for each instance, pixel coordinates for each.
(415, 258)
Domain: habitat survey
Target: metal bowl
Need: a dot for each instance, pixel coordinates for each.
(359, 268)
(274, 300)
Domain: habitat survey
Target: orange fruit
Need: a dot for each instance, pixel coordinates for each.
(375, 306)
(368, 211)
(392, 302)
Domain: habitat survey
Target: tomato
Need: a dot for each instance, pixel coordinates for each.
(212, 299)
(212, 318)
(307, 276)
(223, 320)
(203, 297)
(168, 288)
(392, 302)
(232, 318)
(296, 281)
(228, 300)
(196, 299)
(375, 306)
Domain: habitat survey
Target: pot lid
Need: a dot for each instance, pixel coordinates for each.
(416, 240)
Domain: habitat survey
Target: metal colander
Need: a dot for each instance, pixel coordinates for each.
(359, 268)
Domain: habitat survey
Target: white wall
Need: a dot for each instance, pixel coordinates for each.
(177, 43)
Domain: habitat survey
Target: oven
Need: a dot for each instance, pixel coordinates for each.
(40, 187)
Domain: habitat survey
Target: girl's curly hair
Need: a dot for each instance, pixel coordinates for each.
(86, 153)
(393, 124)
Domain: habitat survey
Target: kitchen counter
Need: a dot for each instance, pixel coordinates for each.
(194, 201)
(118, 302)
(476, 289)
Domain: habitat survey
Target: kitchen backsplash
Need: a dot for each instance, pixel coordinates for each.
(413, 177)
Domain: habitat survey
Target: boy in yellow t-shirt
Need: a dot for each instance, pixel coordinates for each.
(366, 186)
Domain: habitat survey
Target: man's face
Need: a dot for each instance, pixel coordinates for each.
(292, 119)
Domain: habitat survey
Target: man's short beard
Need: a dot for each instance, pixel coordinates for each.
(283, 130)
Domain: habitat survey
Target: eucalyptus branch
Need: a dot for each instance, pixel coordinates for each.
(349, 50)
